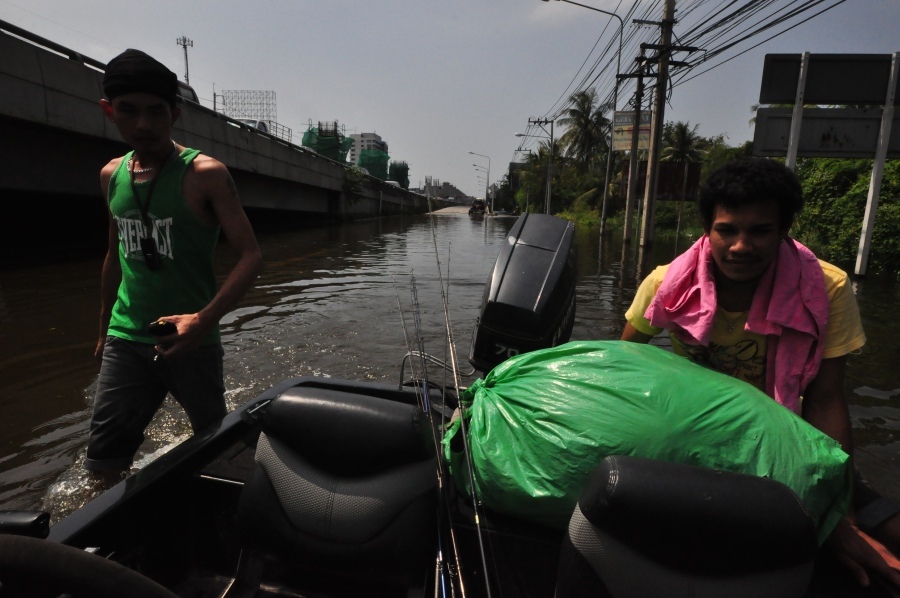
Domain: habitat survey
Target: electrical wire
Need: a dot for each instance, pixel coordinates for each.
(717, 28)
(684, 79)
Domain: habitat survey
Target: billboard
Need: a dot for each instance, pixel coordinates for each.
(826, 133)
(623, 129)
(846, 79)
(865, 128)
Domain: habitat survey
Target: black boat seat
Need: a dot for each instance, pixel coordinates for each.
(344, 489)
(649, 528)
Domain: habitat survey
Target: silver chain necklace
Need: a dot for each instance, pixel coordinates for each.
(134, 170)
(131, 168)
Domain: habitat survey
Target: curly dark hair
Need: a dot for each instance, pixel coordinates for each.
(747, 181)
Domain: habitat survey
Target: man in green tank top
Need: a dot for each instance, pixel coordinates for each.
(167, 205)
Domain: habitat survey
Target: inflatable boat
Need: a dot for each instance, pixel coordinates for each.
(322, 487)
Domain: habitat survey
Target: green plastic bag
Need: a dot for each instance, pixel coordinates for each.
(540, 422)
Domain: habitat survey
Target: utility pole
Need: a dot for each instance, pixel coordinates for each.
(663, 59)
(540, 122)
(633, 162)
(184, 43)
(659, 120)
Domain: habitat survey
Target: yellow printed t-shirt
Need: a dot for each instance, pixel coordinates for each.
(742, 354)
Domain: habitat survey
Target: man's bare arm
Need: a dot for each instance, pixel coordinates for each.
(825, 407)
(214, 181)
(111, 274)
(633, 335)
(824, 404)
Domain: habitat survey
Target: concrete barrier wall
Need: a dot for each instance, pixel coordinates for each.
(49, 115)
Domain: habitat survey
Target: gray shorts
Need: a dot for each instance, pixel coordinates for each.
(132, 387)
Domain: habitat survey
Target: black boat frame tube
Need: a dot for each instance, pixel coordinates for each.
(24, 567)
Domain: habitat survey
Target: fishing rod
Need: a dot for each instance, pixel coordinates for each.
(442, 476)
(444, 574)
(442, 363)
(451, 342)
(421, 393)
(420, 342)
(456, 373)
(449, 254)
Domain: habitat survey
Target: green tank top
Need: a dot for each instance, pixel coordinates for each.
(186, 282)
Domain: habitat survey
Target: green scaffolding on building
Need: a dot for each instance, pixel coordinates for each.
(399, 171)
(376, 162)
(330, 144)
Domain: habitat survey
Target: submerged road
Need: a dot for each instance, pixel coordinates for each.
(327, 305)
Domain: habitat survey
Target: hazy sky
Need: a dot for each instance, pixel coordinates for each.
(436, 79)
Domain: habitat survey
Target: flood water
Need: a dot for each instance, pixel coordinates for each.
(329, 304)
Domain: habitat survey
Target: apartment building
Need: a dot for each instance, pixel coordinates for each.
(365, 141)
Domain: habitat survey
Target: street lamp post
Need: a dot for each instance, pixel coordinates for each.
(615, 105)
(487, 187)
(482, 169)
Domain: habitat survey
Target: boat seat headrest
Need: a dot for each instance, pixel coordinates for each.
(699, 518)
(344, 489)
(348, 432)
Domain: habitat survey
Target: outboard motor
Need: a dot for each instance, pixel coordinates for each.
(529, 297)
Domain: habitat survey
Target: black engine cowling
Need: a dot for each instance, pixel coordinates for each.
(529, 297)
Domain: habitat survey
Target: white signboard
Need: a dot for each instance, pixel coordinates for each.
(623, 129)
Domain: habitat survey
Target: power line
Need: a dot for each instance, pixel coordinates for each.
(563, 95)
(718, 28)
(684, 79)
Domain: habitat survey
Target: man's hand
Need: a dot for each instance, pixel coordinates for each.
(633, 335)
(191, 331)
(862, 554)
(98, 350)
(888, 533)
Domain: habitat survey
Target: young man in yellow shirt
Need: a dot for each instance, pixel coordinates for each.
(749, 301)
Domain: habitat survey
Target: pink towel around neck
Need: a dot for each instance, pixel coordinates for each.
(686, 304)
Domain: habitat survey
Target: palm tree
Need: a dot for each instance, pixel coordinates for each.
(754, 108)
(682, 144)
(533, 178)
(530, 180)
(586, 129)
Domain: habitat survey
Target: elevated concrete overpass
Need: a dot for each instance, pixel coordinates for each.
(54, 139)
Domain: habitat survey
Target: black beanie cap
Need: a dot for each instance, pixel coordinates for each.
(135, 71)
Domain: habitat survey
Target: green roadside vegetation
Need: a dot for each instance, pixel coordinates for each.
(836, 190)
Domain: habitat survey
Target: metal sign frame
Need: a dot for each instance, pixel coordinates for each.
(838, 133)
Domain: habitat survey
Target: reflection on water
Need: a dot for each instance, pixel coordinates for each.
(328, 304)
